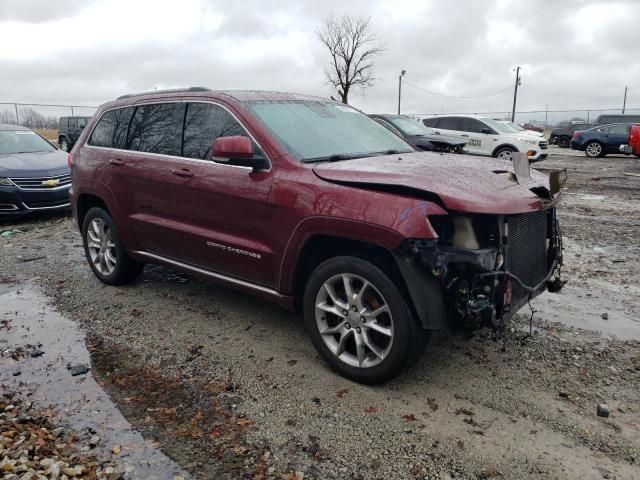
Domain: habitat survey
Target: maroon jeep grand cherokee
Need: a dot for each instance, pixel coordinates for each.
(312, 204)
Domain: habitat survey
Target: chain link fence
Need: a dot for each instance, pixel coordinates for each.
(40, 115)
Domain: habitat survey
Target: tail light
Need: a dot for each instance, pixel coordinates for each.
(577, 134)
(70, 160)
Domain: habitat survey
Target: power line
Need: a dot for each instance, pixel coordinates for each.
(457, 96)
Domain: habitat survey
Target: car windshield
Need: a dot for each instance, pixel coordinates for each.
(316, 130)
(410, 126)
(514, 126)
(497, 126)
(23, 141)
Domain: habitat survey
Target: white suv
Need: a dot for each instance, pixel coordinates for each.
(486, 136)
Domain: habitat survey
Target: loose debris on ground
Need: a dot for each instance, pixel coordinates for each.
(32, 447)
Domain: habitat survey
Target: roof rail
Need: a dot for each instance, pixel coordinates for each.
(169, 90)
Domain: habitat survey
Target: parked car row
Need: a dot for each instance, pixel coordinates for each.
(599, 141)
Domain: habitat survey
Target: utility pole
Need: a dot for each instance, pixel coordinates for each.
(17, 118)
(546, 115)
(400, 88)
(624, 102)
(515, 95)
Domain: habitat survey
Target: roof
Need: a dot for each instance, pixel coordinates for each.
(7, 126)
(194, 92)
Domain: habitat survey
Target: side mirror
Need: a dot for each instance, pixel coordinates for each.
(487, 130)
(238, 151)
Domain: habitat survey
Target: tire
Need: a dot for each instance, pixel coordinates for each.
(505, 153)
(564, 142)
(104, 250)
(64, 145)
(594, 150)
(394, 344)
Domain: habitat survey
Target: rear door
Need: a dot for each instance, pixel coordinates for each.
(449, 126)
(478, 143)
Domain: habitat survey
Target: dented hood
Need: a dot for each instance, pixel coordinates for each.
(462, 182)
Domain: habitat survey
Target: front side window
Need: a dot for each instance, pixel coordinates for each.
(472, 125)
(314, 130)
(155, 128)
(73, 123)
(621, 128)
(22, 141)
(111, 130)
(82, 122)
(203, 123)
(496, 126)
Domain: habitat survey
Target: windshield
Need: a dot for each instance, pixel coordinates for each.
(514, 126)
(23, 141)
(497, 126)
(410, 126)
(317, 130)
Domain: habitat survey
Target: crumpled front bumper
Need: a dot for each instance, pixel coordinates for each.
(486, 285)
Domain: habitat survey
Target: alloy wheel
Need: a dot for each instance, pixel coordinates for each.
(102, 249)
(354, 320)
(505, 155)
(594, 149)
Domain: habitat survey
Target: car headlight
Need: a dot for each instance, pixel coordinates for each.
(5, 182)
(528, 141)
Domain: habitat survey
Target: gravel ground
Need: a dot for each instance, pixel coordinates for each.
(230, 386)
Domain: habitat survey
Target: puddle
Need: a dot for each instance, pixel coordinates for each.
(79, 402)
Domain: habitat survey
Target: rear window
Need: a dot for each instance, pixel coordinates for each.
(156, 128)
(111, 130)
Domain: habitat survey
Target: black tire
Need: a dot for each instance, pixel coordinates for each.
(64, 145)
(126, 270)
(409, 339)
(564, 142)
(594, 150)
(504, 151)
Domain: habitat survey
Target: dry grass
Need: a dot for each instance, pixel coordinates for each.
(50, 134)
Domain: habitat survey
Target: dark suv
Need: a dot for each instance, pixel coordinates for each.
(69, 131)
(314, 205)
(561, 136)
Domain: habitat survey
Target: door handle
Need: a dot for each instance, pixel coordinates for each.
(182, 172)
(116, 161)
(463, 135)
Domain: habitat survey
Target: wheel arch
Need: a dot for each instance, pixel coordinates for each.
(504, 145)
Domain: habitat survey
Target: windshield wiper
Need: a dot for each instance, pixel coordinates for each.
(331, 158)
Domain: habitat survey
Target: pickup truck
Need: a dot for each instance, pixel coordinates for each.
(633, 145)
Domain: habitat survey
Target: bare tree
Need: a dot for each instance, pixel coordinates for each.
(353, 49)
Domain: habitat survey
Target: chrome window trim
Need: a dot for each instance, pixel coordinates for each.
(87, 143)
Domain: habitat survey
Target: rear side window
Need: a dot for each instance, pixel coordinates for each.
(204, 123)
(156, 128)
(471, 125)
(449, 123)
(111, 130)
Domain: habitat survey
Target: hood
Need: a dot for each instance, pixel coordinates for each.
(448, 139)
(38, 164)
(462, 182)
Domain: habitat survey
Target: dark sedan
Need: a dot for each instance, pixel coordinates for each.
(34, 175)
(599, 141)
(419, 135)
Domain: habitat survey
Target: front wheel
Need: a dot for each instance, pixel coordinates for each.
(505, 153)
(104, 250)
(360, 322)
(594, 149)
(64, 145)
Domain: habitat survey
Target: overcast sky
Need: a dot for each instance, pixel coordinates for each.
(574, 54)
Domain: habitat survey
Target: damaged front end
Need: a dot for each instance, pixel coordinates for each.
(486, 266)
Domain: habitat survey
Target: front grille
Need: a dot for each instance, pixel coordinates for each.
(44, 183)
(527, 249)
(543, 144)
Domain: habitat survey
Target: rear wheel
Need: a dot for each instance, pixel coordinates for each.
(104, 250)
(360, 322)
(564, 142)
(64, 145)
(594, 149)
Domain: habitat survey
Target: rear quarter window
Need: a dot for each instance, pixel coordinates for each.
(111, 130)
